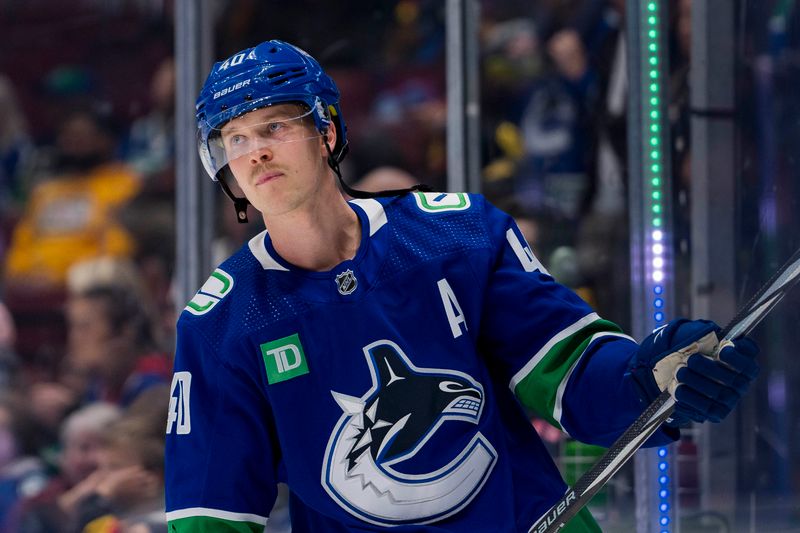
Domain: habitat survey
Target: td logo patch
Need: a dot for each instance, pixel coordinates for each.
(284, 359)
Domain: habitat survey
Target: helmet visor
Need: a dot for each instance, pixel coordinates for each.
(249, 134)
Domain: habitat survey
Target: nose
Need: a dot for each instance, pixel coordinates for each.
(260, 155)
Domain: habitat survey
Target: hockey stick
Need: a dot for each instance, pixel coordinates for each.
(662, 407)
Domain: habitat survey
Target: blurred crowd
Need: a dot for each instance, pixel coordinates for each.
(87, 190)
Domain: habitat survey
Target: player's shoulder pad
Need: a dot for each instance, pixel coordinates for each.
(216, 287)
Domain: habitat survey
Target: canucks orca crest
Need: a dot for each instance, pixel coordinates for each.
(384, 429)
(407, 405)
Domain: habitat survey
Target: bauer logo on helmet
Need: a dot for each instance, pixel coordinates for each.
(232, 88)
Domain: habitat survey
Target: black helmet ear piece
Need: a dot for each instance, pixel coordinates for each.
(239, 204)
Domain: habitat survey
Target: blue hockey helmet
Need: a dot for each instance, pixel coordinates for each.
(271, 73)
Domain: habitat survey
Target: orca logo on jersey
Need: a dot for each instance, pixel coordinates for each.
(388, 426)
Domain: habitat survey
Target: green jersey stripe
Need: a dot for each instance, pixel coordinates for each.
(203, 519)
(557, 410)
(558, 337)
(539, 389)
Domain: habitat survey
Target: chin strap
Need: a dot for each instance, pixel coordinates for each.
(333, 162)
(239, 204)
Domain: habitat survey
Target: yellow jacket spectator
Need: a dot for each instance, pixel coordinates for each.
(71, 217)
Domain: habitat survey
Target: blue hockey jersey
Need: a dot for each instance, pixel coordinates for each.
(389, 390)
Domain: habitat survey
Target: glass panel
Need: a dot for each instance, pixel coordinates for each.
(769, 232)
(553, 117)
(554, 99)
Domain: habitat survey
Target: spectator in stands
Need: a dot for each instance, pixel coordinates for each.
(151, 143)
(100, 345)
(129, 491)
(511, 62)
(553, 175)
(22, 473)
(409, 104)
(70, 215)
(8, 331)
(112, 342)
(54, 509)
(114, 350)
(150, 220)
(536, 135)
(591, 53)
(385, 178)
(150, 217)
(9, 363)
(15, 152)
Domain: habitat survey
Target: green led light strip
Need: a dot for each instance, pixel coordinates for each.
(652, 68)
(653, 115)
(656, 241)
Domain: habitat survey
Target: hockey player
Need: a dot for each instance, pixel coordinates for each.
(375, 355)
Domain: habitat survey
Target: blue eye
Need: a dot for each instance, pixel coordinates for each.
(275, 126)
(236, 139)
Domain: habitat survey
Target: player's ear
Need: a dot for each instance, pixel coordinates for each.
(329, 138)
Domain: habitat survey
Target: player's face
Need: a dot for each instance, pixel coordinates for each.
(277, 157)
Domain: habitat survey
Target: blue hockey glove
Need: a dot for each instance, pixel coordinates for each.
(706, 380)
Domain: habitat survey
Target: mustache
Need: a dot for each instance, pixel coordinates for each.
(261, 170)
